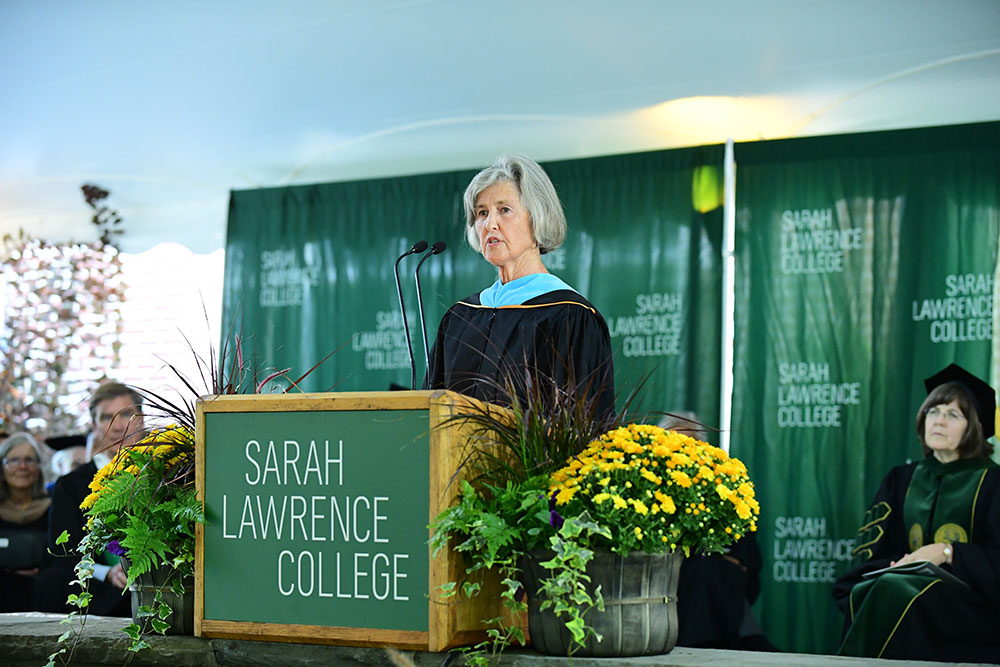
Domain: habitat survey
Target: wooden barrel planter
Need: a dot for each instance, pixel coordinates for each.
(640, 606)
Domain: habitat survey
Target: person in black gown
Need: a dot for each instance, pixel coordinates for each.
(715, 592)
(529, 325)
(117, 420)
(943, 509)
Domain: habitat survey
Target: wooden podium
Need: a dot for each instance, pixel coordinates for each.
(317, 508)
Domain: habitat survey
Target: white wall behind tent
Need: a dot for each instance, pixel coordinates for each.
(171, 105)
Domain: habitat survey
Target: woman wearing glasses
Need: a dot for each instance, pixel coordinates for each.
(24, 508)
(945, 510)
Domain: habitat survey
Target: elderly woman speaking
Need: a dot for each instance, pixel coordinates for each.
(529, 326)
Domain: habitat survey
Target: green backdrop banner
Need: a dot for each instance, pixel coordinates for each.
(309, 269)
(865, 263)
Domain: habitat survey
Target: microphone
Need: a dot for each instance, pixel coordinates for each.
(436, 249)
(419, 246)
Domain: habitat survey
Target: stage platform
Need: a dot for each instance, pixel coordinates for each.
(26, 640)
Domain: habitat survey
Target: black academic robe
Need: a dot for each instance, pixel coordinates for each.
(713, 595)
(54, 582)
(558, 336)
(918, 617)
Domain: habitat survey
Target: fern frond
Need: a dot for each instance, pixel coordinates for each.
(145, 551)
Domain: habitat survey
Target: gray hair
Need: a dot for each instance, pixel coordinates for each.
(15, 439)
(548, 222)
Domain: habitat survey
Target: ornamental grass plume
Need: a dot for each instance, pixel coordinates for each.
(658, 490)
(144, 501)
(501, 510)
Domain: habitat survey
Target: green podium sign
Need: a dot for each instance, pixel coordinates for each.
(317, 508)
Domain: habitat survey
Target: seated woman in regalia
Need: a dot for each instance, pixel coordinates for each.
(939, 520)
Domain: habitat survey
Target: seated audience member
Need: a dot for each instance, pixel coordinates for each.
(24, 508)
(117, 420)
(944, 509)
(715, 592)
(70, 454)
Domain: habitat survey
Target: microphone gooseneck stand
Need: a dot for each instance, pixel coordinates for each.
(419, 246)
(436, 249)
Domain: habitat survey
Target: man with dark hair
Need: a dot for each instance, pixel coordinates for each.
(116, 420)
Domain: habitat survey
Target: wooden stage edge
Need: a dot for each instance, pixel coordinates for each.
(314, 634)
(27, 639)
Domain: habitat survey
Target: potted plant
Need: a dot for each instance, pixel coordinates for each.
(144, 508)
(552, 501)
(658, 496)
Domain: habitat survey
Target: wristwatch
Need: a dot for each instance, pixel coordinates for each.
(947, 553)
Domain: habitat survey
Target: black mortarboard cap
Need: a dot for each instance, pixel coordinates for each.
(983, 396)
(66, 441)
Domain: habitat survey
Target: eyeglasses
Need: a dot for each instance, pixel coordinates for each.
(15, 461)
(124, 416)
(950, 415)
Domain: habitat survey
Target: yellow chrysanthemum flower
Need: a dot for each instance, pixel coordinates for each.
(661, 450)
(681, 459)
(681, 478)
(565, 496)
(89, 501)
(639, 506)
(658, 472)
(655, 479)
(632, 448)
(742, 509)
(667, 504)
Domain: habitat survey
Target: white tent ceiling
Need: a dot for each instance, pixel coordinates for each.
(171, 105)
